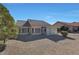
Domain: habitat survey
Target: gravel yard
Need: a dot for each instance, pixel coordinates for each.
(53, 45)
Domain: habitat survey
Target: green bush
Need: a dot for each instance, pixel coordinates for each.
(13, 33)
(2, 47)
(64, 33)
(64, 28)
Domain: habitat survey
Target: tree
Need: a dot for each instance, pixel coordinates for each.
(64, 30)
(7, 23)
(6, 15)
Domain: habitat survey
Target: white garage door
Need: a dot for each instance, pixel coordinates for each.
(50, 31)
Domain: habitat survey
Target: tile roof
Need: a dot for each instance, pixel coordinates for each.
(38, 22)
(60, 24)
(66, 24)
(20, 23)
(32, 23)
(74, 24)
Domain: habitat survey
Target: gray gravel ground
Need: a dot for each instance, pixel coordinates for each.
(43, 46)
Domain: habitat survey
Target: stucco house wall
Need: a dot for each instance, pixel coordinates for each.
(35, 28)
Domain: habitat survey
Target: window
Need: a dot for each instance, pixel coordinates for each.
(37, 30)
(25, 30)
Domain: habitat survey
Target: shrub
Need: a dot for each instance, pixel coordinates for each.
(2, 47)
(64, 28)
(64, 33)
(13, 33)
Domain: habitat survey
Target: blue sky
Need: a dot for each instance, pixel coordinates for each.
(51, 12)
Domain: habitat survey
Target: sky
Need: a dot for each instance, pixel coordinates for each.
(49, 12)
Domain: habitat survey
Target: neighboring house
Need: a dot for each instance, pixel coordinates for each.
(33, 27)
(59, 24)
(73, 27)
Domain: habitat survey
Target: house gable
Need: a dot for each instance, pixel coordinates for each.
(27, 24)
(37, 23)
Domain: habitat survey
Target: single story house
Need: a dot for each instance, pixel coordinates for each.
(34, 27)
(73, 27)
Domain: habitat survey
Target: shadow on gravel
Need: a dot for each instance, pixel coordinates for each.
(26, 38)
(55, 38)
(2, 47)
(70, 38)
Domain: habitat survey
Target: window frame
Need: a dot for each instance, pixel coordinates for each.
(37, 30)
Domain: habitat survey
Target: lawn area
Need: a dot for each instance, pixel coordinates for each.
(43, 46)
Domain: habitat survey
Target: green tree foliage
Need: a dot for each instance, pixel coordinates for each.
(5, 14)
(63, 30)
(64, 33)
(7, 24)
